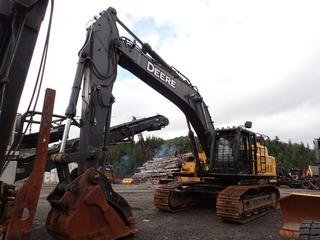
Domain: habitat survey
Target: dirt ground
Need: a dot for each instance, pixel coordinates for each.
(191, 224)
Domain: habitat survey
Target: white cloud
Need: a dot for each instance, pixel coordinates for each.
(255, 60)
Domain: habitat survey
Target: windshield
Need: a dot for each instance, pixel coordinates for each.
(224, 151)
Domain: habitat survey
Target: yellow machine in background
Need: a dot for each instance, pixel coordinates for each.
(128, 181)
(188, 166)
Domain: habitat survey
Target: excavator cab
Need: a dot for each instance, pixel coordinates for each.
(240, 152)
(237, 180)
(234, 151)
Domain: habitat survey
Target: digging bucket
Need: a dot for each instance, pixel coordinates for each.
(295, 209)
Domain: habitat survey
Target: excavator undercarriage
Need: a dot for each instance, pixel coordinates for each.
(173, 197)
(242, 204)
(234, 203)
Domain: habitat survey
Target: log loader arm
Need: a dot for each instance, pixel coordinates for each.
(20, 22)
(118, 134)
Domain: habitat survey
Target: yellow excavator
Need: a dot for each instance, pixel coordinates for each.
(240, 185)
(235, 168)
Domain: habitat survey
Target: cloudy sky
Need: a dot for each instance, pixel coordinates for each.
(251, 60)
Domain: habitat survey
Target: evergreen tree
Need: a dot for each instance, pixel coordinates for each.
(126, 158)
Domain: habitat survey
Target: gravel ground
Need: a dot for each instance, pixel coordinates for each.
(201, 223)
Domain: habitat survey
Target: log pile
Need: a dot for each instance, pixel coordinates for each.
(158, 168)
(312, 182)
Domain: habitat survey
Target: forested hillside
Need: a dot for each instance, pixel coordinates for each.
(125, 158)
(291, 155)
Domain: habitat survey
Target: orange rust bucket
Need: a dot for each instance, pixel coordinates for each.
(89, 209)
(297, 208)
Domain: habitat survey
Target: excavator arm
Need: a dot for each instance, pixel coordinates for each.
(102, 52)
(96, 73)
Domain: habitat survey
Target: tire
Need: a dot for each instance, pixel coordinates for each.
(309, 230)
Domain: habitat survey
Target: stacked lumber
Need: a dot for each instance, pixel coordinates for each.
(158, 168)
(312, 182)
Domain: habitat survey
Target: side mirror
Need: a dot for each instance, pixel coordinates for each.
(248, 124)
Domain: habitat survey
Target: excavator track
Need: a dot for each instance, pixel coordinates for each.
(169, 197)
(241, 204)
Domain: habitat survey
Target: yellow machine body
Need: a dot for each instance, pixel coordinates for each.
(266, 164)
(128, 181)
(188, 165)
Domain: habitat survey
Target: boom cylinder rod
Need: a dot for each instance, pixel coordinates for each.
(130, 32)
(65, 135)
(195, 151)
(72, 106)
(146, 47)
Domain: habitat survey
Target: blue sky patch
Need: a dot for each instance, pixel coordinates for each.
(147, 27)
